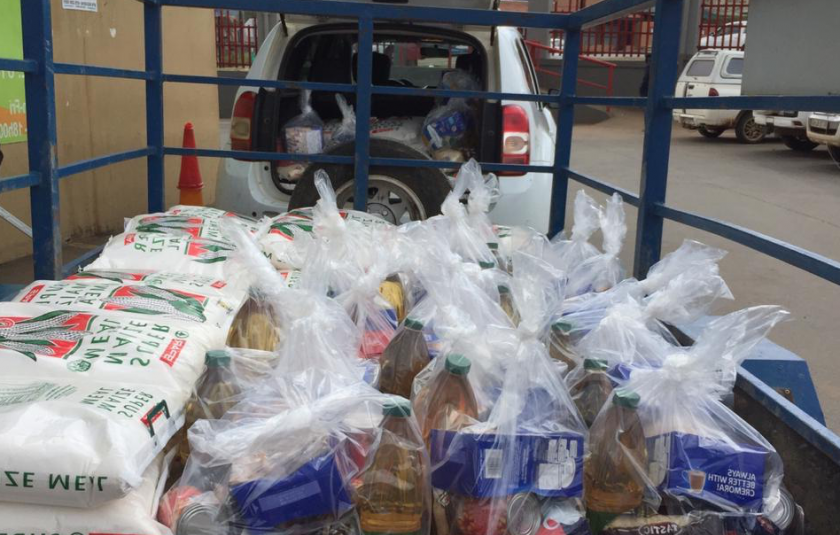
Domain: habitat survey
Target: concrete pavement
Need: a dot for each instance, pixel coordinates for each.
(768, 188)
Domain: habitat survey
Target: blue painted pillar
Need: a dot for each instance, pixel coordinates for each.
(565, 127)
(364, 80)
(153, 30)
(658, 121)
(41, 138)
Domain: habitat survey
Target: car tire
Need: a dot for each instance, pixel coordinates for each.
(798, 143)
(710, 133)
(426, 186)
(748, 131)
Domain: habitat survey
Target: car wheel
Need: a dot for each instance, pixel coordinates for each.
(798, 143)
(834, 151)
(710, 133)
(749, 131)
(397, 194)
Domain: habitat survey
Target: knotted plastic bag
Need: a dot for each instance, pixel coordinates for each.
(601, 272)
(524, 463)
(346, 131)
(467, 232)
(666, 435)
(569, 254)
(693, 283)
(318, 459)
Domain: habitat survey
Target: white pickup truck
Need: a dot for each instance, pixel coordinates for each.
(790, 126)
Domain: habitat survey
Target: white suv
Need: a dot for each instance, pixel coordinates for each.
(713, 73)
(408, 55)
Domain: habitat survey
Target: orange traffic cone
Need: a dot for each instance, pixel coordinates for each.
(190, 182)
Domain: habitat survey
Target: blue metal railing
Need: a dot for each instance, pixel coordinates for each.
(45, 172)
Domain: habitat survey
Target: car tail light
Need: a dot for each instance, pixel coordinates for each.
(516, 137)
(713, 92)
(240, 122)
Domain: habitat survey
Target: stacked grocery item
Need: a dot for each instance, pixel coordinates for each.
(324, 371)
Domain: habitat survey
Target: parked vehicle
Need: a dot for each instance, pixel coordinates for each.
(823, 129)
(790, 126)
(713, 73)
(406, 55)
(732, 35)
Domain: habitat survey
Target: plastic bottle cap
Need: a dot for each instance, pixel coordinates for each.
(400, 409)
(458, 364)
(217, 358)
(410, 323)
(595, 364)
(486, 265)
(562, 326)
(504, 290)
(626, 398)
(493, 246)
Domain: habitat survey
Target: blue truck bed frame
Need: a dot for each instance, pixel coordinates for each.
(811, 452)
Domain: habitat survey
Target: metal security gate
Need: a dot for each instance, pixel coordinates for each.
(45, 172)
(236, 39)
(723, 24)
(629, 36)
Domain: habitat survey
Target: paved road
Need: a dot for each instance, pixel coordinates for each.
(768, 188)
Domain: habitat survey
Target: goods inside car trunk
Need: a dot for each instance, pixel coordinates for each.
(414, 127)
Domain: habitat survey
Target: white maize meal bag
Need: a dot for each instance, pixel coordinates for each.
(80, 443)
(40, 341)
(153, 302)
(186, 225)
(184, 282)
(152, 251)
(278, 241)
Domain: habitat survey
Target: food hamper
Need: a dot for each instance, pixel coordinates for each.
(324, 371)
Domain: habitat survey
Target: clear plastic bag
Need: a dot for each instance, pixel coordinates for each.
(346, 131)
(319, 457)
(304, 134)
(680, 288)
(569, 254)
(665, 438)
(467, 232)
(601, 272)
(522, 464)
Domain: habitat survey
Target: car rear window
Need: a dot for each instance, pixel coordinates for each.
(735, 67)
(701, 67)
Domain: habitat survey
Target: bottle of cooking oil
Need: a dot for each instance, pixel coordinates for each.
(611, 473)
(216, 392)
(593, 390)
(560, 345)
(404, 357)
(451, 400)
(506, 302)
(392, 497)
(253, 327)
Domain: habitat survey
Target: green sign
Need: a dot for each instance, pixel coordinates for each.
(12, 89)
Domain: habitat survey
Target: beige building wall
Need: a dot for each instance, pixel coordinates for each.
(97, 116)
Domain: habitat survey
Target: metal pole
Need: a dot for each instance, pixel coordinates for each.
(154, 104)
(565, 126)
(41, 138)
(364, 80)
(657, 145)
